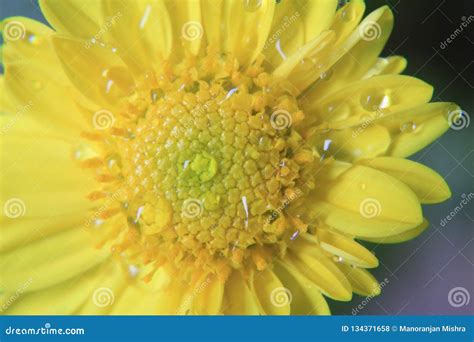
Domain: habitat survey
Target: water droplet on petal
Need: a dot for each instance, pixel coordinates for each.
(133, 270)
(374, 100)
(33, 39)
(145, 16)
(341, 3)
(338, 259)
(407, 127)
(325, 76)
(252, 5)
(338, 111)
(327, 144)
(156, 94)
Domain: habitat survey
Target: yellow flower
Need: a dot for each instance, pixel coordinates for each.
(206, 157)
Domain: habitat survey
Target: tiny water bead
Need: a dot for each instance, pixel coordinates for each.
(252, 5)
(202, 167)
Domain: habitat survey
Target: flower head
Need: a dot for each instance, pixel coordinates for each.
(207, 157)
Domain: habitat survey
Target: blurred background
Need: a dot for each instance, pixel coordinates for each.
(432, 274)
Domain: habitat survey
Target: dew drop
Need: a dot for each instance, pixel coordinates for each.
(229, 94)
(108, 86)
(325, 76)
(375, 100)
(347, 14)
(98, 223)
(338, 111)
(338, 259)
(156, 94)
(252, 5)
(133, 270)
(145, 16)
(407, 127)
(139, 213)
(33, 39)
(341, 3)
(326, 146)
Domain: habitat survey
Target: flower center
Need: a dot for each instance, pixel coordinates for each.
(207, 169)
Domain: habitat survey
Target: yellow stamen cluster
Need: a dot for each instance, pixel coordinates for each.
(208, 167)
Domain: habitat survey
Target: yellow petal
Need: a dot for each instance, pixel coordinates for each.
(294, 24)
(32, 43)
(428, 185)
(187, 26)
(21, 231)
(56, 190)
(75, 17)
(208, 299)
(373, 35)
(350, 251)
(417, 128)
(50, 261)
(247, 25)
(402, 237)
(212, 16)
(270, 293)
(292, 65)
(363, 201)
(306, 297)
(239, 298)
(366, 42)
(322, 271)
(30, 93)
(61, 299)
(362, 282)
(352, 105)
(96, 71)
(140, 30)
(386, 66)
(347, 18)
(357, 143)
